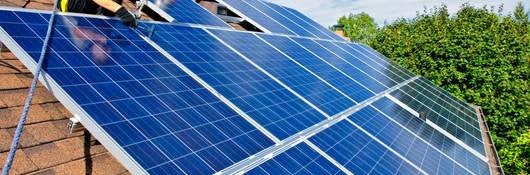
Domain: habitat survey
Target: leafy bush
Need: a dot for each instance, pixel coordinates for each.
(480, 56)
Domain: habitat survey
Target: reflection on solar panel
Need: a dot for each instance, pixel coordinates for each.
(200, 100)
(152, 110)
(186, 11)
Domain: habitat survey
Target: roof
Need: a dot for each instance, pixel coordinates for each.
(46, 146)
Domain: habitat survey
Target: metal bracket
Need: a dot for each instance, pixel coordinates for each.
(74, 124)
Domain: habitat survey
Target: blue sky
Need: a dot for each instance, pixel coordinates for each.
(326, 12)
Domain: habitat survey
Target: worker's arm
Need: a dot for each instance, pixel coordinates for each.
(108, 4)
(126, 17)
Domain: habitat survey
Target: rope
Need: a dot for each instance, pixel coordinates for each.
(27, 104)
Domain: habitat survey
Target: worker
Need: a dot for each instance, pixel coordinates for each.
(100, 7)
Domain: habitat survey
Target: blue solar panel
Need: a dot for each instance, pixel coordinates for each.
(293, 75)
(359, 153)
(300, 159)
(441, 113)
(432, 136)
(258, 95)
(338, 79)
(187, 11)
(463, 109)
(159, 115)
(262, 19)
(314, 30)
(131, 92)
(396, 73)
(285, 21)
(406, 144)
(308, 21)
(340, 63)
(467, 112)
(377, 72)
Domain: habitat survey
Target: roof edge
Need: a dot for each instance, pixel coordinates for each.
(493, 158)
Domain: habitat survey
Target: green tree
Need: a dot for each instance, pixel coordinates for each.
(516, 155)
(479, 55)
(359, 27)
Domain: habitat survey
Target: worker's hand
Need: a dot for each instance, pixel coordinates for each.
(127, 17)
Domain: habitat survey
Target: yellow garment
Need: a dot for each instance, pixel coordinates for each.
(64, 5)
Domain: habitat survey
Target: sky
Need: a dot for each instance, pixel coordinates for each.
(326, 12)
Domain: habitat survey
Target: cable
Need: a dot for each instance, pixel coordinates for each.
(27, 104)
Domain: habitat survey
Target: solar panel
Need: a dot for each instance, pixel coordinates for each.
(440, 114)
(335, 77)
(404, 143)
(138, 103)
(284, 21)
(376, 60)
(304, 82)
(459, 153)
(380, 73)
(359, 153)
(176, 99)
(278, 19)
(185, 11)
(314, 30)
(308, 21)
(300, 159)
(263, 99)
(442, 97)
(262, 21)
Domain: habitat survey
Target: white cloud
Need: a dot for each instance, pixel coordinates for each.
(326, 12)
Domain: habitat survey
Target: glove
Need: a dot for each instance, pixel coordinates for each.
(127, 18)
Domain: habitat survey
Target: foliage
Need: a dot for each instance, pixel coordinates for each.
(480, 56)
(359, 27)
(516, 155)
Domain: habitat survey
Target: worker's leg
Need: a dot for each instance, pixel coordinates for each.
(103, 11)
